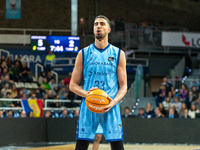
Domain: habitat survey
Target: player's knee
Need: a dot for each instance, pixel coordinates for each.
(117, 145)
(97, 138)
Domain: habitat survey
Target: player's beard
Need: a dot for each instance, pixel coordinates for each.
(100, 36)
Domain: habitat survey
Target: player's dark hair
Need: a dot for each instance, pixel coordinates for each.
(104, 17)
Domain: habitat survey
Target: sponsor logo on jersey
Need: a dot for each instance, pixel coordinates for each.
(101, 63)
(111, 58)
(90, 73)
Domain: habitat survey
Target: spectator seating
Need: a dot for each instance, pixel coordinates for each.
(142, 104)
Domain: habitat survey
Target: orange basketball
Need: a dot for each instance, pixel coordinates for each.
(96, 100)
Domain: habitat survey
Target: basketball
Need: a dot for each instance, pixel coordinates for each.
(96, 100)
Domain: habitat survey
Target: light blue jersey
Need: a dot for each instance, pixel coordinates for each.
(100, 70)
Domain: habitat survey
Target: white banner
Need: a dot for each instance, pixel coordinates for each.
(181, 39)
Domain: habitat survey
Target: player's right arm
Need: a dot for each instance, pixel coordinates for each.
(76, 77)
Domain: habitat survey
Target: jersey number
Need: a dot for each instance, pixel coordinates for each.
(100, 84)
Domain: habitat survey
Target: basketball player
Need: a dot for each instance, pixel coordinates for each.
(102, 66)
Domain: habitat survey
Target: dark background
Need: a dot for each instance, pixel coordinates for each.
(54, 14)
(22, 130)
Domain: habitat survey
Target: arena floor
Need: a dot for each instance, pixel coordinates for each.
(126, 146)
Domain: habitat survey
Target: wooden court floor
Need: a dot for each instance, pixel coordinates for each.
(127, 147)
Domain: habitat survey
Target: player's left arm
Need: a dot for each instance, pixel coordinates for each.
(122, 80)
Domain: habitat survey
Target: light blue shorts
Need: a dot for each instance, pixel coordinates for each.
(99, 129)
(110, 121)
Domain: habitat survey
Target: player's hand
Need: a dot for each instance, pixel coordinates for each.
(111, 104)
(92, 89)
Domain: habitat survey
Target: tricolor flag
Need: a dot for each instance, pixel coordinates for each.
(33, 105)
